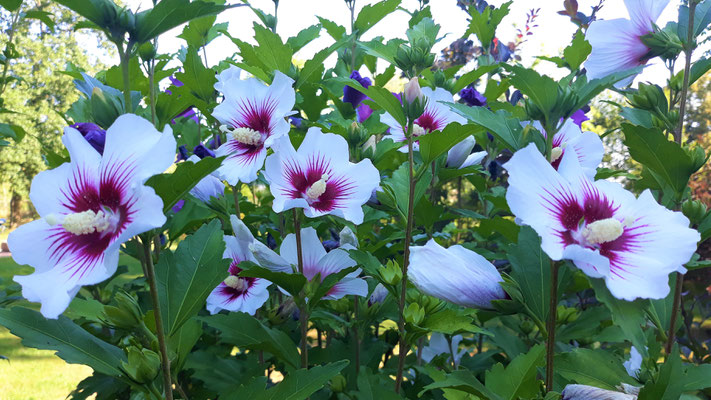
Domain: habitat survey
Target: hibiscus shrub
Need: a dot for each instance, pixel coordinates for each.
(303, 232)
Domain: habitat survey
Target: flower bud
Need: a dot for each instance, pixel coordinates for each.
(126, 314)
(648, 97)
(413, 91)
(414, 314)
(695, 210)
(147, 51)
(338, 383)
(662, 43)
(348, 238)
(391, 273)
(378, 296)
(142, 366)
(105, 107)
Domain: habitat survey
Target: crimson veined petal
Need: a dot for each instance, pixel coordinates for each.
(601, 227)
(89, 207)
(319, 178)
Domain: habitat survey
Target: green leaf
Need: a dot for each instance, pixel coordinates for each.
(175, 186)
(541, 89)
(472, 76)
(103, 13)
(302, 383)
(243, 330)
(608, 372)
(531, 269)
(484, 24)
(198, 80)
(336, 31)
(386, 51)
(382, 97)
(44, 16)
(669, 383)
(399, 187)
(450, 322)
(187, 277)
(201, 31)
(272, 51)
(424, 33)
(304, 37)
(696, 377)
(665, 158)
(518, 379)
(434, 144)
(70, 341)
(11, 5)
(464, 381)
(292, 283)
(371, 14)
(577, 52)
(315, 63)
(168, 14)
(501, 124)
(629, 316)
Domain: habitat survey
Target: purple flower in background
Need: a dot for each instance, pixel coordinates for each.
(353, 96)
(178, 206)
(632, 243)
(472, 97)
(182, 153)
(579, 117)
(88, 208)
(215, 142)
(189, 112)
(363, 112)
(93, 134)
(296, 121)
(202, 151)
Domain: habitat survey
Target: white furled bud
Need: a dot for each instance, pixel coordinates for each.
(413, 91)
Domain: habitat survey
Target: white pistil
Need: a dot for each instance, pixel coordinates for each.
(318, 188)
(556, 152)
(243, 135)
(84, 222)
(418, 130)
(603, 231)
(235, 282)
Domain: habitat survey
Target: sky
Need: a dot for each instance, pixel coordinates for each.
(553, 33)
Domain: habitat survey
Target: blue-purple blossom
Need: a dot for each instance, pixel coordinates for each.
(579, 117)
(93, 134)
(472, 97)
(353, 96)
(182, 153)
(202, 151)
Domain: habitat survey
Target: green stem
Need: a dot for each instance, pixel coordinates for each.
(406, 260)
(165, 361)
(550, 328)
(152, 89)
(678, 138)
(235, 195)
(351, 6)
(276, 8)
(355, 335)
(125, 57)
(303, 311)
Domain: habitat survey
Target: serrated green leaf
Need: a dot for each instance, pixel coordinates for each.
(608, 372)
(518, 379)
(70, 341)
(434, 144)
(629, 316)
(371, 14)
(11, 5)
(501, 124)
(291, 283)
(168, 14)
(578, 51)
(187, 277)
(304, 37)
(175, 186)
(243, 330)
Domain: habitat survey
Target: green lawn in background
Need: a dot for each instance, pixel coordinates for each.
(32, 374)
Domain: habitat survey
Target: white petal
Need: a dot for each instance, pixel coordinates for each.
(535, 193)
(591, 262)
(589, 150)
(660, 242)
(267, 258)
(227, 75)
(147, 209)
(644, 12)
(242, 233)
(459, 152)
(473, 159)
(633, 365)
(208, 188)
(334, 261)
(240, 165)
(329, 148)
(583, 392)
(348, 286)
(615, 47)
(133, 144)
(248, 303)
(348, 238)
(312, 249)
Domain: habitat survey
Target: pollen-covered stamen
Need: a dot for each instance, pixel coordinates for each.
(418, 130)
(318, 188)
(603, 231)
(243, 135)
(556, 152)
(235, 282)
(84, 222)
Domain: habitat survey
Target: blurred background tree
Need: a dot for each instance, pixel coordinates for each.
(42, 95)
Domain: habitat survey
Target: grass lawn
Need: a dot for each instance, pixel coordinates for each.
(32, 374)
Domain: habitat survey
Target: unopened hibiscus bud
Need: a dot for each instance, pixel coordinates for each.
(143, 364)
(413, 91)
(414, 314)
(391, 273)
(378, 296)
(338, 383)
(348, 238)
(648, 97)
(105, 107)
(697, 154)
(127, 19)
(126, 315)
(695, 210)
(147, 51)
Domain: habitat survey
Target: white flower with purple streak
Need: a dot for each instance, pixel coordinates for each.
(88, 207)
(435, 117)
(238, 293)
(319, 178)
(617, 43)
(571, 140)
(316, 261)
(253, 116)
(632, 243)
